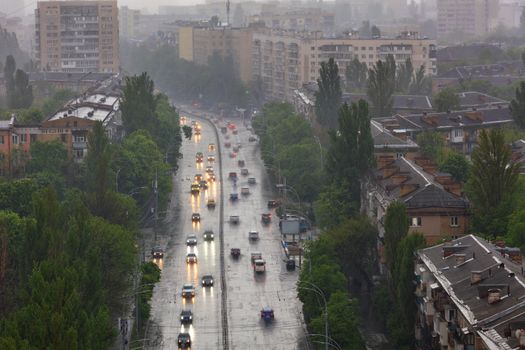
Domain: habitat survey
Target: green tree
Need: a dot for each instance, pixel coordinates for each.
(376, 33)
(381, 86)
(431, 144)
(404, 76)
(328, 98)
(494, 175)
(57, 101)
(456, 165)
(446, 100)
(98, 162)
(188, 131)
(516, 230)
(23, 92)
(138, 103)
(356, 74)
(396, 228)
(333, 207)
(518, 106)
(48, 156)
(420, 84)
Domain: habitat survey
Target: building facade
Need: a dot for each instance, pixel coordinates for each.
(285, 60)
(298, 20)
(129, 22)
(462, 19)
(77, 36)
(198, 43)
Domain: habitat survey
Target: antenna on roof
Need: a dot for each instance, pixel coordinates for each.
(228, 12)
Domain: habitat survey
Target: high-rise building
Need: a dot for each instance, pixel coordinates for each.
(463, 19)
(77, 36)
(129, 21)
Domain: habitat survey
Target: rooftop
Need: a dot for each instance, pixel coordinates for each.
(471, 99)
(383, 139)
(68, 77)
(401, 102)
(84, 112)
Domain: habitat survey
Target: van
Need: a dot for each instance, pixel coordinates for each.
(259, 266)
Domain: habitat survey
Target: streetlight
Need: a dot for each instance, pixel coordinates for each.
(314, 288)
(288, 187)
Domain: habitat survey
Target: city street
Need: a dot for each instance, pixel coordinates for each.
(246, 293)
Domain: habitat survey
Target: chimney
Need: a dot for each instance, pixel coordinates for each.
(475, 277)
(494, 295)
(460, 259)
(407, 189)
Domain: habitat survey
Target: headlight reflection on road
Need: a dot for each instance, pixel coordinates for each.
(192, 273)
(159, 263)
(188, 329)
(196, 226)
(197, 138)
(209, 250)
(195, 203)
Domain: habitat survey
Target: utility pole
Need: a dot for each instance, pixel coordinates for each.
(228, 12)
(155, 188)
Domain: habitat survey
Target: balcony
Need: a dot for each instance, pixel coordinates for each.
(79, 145)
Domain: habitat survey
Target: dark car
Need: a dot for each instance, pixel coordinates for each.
(186, 316)
(207, 281)
(235, 253)
(157, 253)
(184, 340)
(208, 235)
(234, 196)
(267, 314)
(273, 204)
(196, 217)
(266, 218)
(290, 265)
(191, 240)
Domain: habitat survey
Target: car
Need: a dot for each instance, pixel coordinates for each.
(290, 265)
(273, 203)
(234, 132)
(245, 191)
(244, 172)
(188, 291)
(211, 177)
(255, 256)
(239, 145)
(224, 130)
(266, 218)
(211, 147)
(235, 149)
(183, 120)
(186, 316)
(253, 235)
(191, 240)
(240, 163)
(235, 252)
(227, 144)
(267, 314)
(231, 126)
(211, 158)
(191, 258)
(184, 340)
(199, 157)
(259, 266)
(208, 235)
(195, 188)
(197, 131)
(197, 177)
(252, 181)
(207, 281)
(195, 217)
(232, 175)
(233, 154)
(157, 253)
(252, 138)
(234, 219)
(210, 203)
(203, 184)
(234, 196)
(209, 169)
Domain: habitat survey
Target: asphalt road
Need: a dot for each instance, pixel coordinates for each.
(247, 292)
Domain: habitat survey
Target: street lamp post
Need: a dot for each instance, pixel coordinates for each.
(314, 288)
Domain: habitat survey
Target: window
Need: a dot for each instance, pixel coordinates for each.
(15, 139)
(78, 153)
(458, 132)
(79, 139)
(63, 137)
(415, 221)
(454, 221)
(1, 140)
(23, 138)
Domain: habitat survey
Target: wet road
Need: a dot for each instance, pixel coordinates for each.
(246, 292)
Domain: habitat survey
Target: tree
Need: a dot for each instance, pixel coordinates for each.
(328, 98)
(396, 228)
(48, 156)
(376, 33)
(365, 31)
(494, 178)
(404, 76)
(381, 85)
(9, 78)
(446, 100)
(98, 166)
(356, 73)
(518, 106)
(332, 207)
(23, 93)
(420, 83)
(188, 131)
(431, 144)
(456, 165)
(138, 104)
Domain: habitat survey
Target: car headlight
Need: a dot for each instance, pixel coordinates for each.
(182, 318)
(211, 281)
(191, 317)
(211, 235)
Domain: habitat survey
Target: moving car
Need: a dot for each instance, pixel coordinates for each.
(208, 235)
(256, 256)
(273, 204)
(232, 175)
(233, 154)
(253, 235)
(252, 138)
(191, 240)
(227, 144)
(267, 314)
(157, 253)
(207, 281)
(211, 147)
(266, 218)
(197, 177)
(209, 169)
(259, 266)
(199, 157)
(245, 191)
(234, 219)
(203, 184)
(224, 130)
(251, 181)
(235, 252)
(211, 158)
(195, 217)
(240, 163)
(191, 258)
(234, 196)
(210, 203)
(184, 340)
(186, 316)
(244, 172)
(234, 132)
(195, 188)
(235, 149)
(188, 291)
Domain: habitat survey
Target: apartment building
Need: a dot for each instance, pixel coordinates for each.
(15, 141)
(77, 36)
(285, 60)
(309, 19)
(198, 43)
(462, 19)
(470, 295)
(129, 22)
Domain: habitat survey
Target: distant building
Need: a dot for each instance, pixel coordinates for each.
(470, 295)
(77, 36)
(129, 22)
(286, 60)
(45, 84)
(461, 19)
(198, 43)
(15, 141)
(308, 19)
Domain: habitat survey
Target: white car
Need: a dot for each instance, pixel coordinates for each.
(253, 235)
(259, 266)
(191, 240)
(188, 291)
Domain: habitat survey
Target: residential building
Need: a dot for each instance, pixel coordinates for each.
(477, 100)
(387, 145)
(45, 84)
(286, 60)
(470, 295)
(198, 43)
(434, 202)
(77, 36)
(461, 19)
(15, 141)
(129, 22)
(460, 129)
(306, 19)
